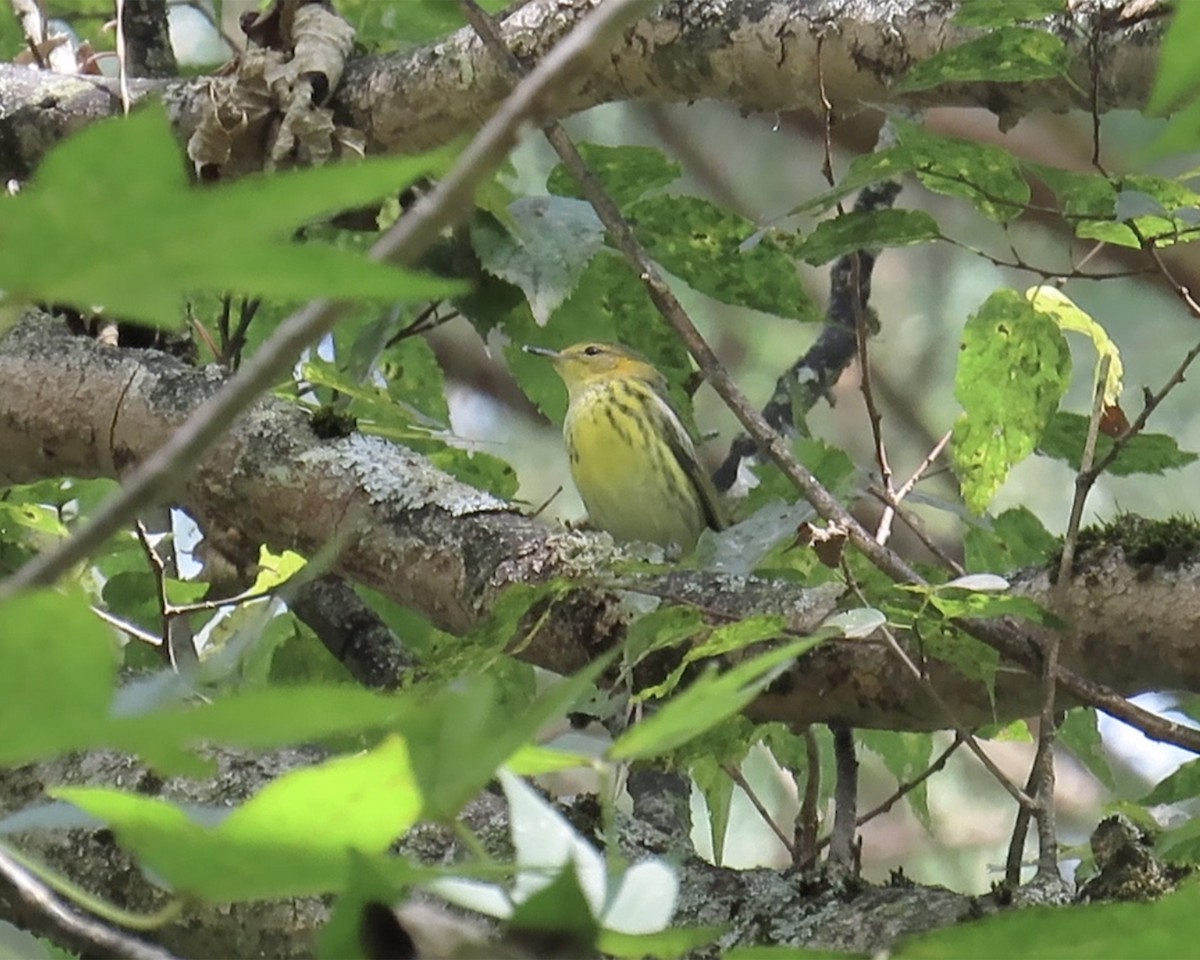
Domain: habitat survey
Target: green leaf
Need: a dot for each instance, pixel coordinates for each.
(1164, 928)
(546, 249)
(676, 942)
(60, 666)
(707, 248)
(986, 605)
(988, 176)
(384, 23)
(906, 755)
(414, 376)
(1012, 372)
(1080, 734)
(1002, 13)
(1066, 434)
(972, 658)
(861, 229)
(627, 172)
(477, 469)
(1183, 784)
(349, 933)
(738, 636)
(561, 909)
(717, 787)
(293, 838)
(462, 735)
(1178, 78)
(664, 627)
(709, 700)
(174, 238)
(1004, 55)
(1084, 198)
(1010, 541)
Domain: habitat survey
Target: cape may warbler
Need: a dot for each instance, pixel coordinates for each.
(632, 459)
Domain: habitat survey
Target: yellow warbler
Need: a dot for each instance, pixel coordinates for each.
(632, 459)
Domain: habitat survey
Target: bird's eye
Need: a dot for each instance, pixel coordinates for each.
(592, 351)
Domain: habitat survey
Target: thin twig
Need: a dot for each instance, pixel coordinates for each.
(735, 774)
(892, 498)
(412, 234)
(80, 932)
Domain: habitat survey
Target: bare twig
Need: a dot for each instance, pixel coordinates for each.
(892, 498)
(412, 234)
(735, 774)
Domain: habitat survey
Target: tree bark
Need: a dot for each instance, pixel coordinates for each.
(74, 407)
(757, 55)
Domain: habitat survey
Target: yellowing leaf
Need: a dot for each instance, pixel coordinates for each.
(1068, 315)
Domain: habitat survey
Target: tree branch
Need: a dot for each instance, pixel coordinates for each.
(759, 55)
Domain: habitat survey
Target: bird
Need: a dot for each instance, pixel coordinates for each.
(632, 460)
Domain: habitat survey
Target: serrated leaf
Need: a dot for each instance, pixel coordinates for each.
(1066, 434)
(704, 246)
(1069, 317)
(987, 176)
(1004, 55)
(861, 229)
(1012, 372)
(546, 249)
(174, 238)
(1014, 539)
(627, 172)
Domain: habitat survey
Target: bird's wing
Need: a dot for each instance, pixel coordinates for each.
(684, 449)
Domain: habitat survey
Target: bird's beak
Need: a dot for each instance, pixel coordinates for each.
(541, 352)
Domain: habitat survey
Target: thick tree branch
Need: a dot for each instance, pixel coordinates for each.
(759, 55)
(73, 407)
